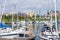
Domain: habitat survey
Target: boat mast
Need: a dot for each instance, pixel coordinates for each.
(51, 21)
(55, 15)
(14, 12)
(17, 21)
(1, 13)
(13, 9)
(3, 9)
(12, 19)
(17, 18)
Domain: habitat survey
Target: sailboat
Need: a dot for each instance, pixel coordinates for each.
(49, 31)
(21, 33)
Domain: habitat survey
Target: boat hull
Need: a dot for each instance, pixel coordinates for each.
(16, 38)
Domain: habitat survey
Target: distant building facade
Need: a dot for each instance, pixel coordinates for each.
(53, 13)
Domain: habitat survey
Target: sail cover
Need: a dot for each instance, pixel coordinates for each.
(4, 26)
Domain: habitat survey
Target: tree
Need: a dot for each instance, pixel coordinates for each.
(37, 16)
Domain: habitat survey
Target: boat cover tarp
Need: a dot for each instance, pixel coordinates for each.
(5, 26)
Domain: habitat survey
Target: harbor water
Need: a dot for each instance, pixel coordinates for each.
(37, 29)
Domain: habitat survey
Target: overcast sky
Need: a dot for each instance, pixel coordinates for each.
(22, 5)
(58, 5)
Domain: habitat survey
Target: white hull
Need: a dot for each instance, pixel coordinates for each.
(49, 36)
(15, 34)
(9, 37)
(17, 37)
(11, 34)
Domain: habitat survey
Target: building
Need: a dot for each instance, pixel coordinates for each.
(22, 14)
(29, 13)
(53, 13)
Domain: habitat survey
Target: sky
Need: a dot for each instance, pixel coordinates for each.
(35, 5)
(58, 5)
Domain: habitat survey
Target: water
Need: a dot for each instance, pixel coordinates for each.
(38, 27)
(37, 38)
(37, 30)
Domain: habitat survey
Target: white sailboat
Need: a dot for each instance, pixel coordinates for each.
(21, 33)
(18, 33)
(50, 33)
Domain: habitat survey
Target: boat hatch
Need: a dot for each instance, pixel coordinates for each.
(23, 35)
